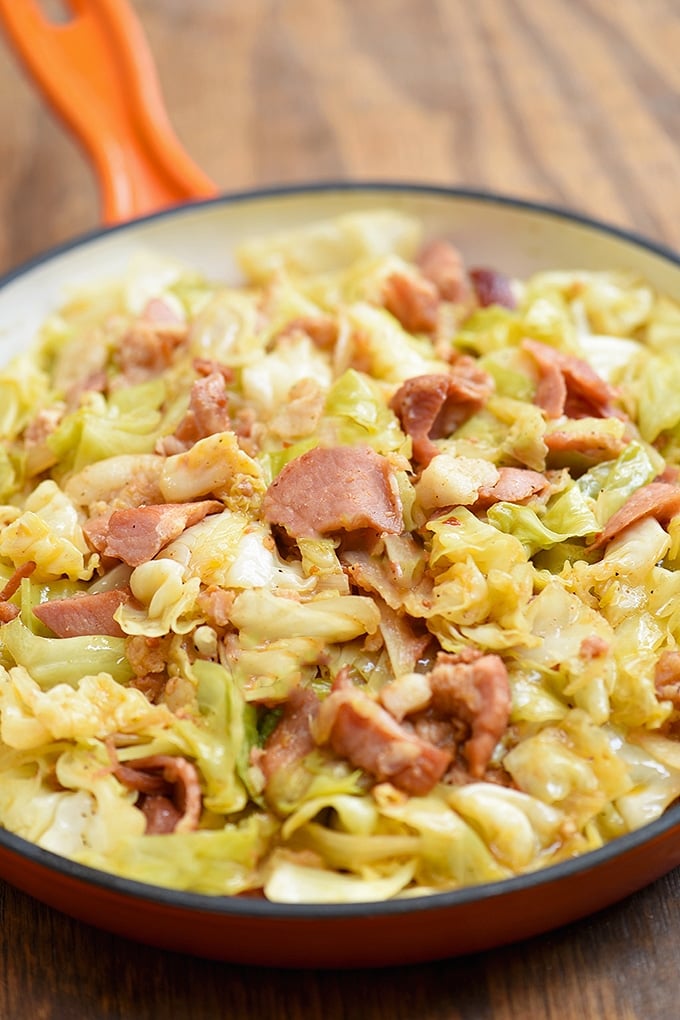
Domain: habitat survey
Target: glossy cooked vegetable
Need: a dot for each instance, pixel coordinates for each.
(357, 580)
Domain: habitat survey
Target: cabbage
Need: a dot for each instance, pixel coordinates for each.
(51, 661)
(393, 354)
(264, 616)
(24, 388)
(355, 406)
(49, 533)
(331, 244)
(214, 465)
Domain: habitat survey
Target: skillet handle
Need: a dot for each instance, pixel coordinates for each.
(97, 72)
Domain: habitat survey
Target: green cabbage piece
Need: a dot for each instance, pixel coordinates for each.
(51, 661)
(356, 406)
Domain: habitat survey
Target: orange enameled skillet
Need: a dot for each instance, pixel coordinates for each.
(98, 73)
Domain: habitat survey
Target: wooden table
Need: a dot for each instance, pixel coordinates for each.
(567, 101)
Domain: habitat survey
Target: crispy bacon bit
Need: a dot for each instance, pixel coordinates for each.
(365, 734)
(206, 366)
(593, 647)
(443, 264)
(14, 583)
(208, 413)
(568, 385)
(148, 349)
(322, 330)
(137, 534)
(168, 783)
(151, 685)
(515, 485)
(478, 693)
(413, 301)
(8, 612)
(82, 615)
(658, 499)
(217, 604)
(667, 677)
(159, 313)
(432, 406)
(292, 738)
(492, 288)
(330, 489)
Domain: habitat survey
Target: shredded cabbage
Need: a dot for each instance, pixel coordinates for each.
(201, 689)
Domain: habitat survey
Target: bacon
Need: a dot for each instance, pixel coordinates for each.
(667, 677)
(515, 485)
(170, 791)
(589, 446)
(8, 612)
(322, 330)
(432, 406)
(208, 413)
(135, 535)
(292, 738)
(413, 301)
(593, 647)
(365, 734)
(568, 385)
(340, 488)
(478, 693)
(14, 583)
(658, 499)
(159, 313)
(82, 615)
(492, 288)
(443, 264)
(148, 348)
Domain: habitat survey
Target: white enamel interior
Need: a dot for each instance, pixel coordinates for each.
(511, 238)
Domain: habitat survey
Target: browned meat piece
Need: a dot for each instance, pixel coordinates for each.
(167, 783)
(492, 288)
(582, 393)
(292, 739)
(443, 264)
(365, 734)
(478, 693)
(149, 346)
(515, 485)
(413, 301)
(588, 446)
(208, 413)
(432, 406)
(81, 615)
(137, 534)
(14, 583)
(322, 330)
(593, 647)
(658, 499)
(339, 488)
(217, 604)
(8, 612)
(667, 677)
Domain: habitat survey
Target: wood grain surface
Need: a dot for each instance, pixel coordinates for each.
(573, 102)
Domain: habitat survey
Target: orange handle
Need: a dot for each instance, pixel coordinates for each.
(98, 73)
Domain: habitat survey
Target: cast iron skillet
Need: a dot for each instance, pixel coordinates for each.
(142, 168)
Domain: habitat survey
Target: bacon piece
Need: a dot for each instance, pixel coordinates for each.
(137, 534)
(148, 348)
(478, 693)
(432, 406)
(8, 612)
(589, 446)
(492, 288)
(568, 385)
(443, 264)
(159, 313)
(82, 615)
(593, 647)
(208, 413)
(412, 300)
(167, 782)
(658, 499)
(365, 734)
(14, 583)
(667, 677)
(339, 488)
(292, 738)
(515, 485)
(321, 329)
